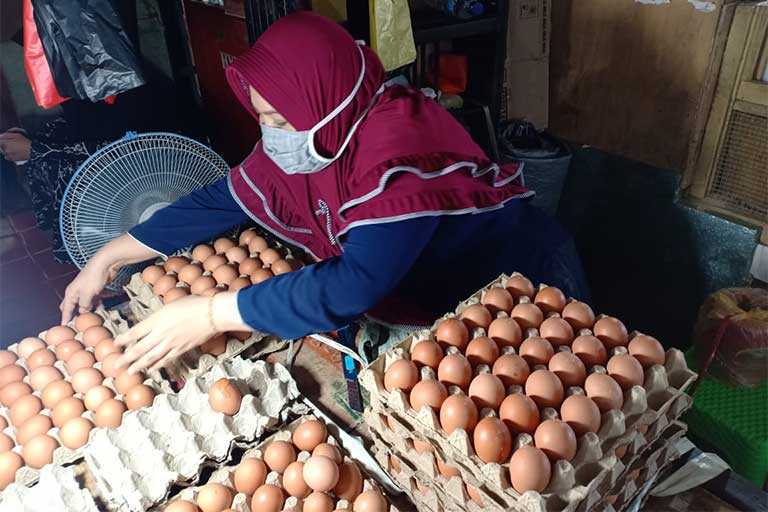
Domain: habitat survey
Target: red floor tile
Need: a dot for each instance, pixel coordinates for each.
(50, 267)
(23, 220)
(12, 249)
(35, 240)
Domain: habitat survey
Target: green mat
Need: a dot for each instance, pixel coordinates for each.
(734, 423)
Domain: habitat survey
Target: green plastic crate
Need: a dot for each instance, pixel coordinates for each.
(733, 422)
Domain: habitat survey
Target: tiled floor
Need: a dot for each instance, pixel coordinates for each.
(32, 283)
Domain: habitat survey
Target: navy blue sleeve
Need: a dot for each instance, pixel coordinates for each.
(204, 213)
(330, 294)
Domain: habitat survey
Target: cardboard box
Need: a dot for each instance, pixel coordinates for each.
(528, 31)
(526, 91)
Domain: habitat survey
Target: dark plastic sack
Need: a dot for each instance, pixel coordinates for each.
(90, 55)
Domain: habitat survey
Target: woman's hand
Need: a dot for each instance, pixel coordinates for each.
(15, 146)
(177, 328)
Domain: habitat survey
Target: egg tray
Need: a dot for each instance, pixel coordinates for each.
(58, 489)
(241, 502)
(180, 435)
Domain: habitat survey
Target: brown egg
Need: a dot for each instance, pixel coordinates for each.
(250, 474)
(164, 285)
(498, 299)
(328, 450)
(44, 375)
(557, 331)
(125, 381)
(604, 391)
(536, 350)
(3, 423)
(37, 424)
(257, 244)
(492, 440)
(579, 315)
(321, 473)
(67, 348)
(10, 463)
(545, 388)
(248, 266)
(68, 407)
(581, 414)
(38, 451)
(7, 358)
(261, 275)
(11, 373)
(175, 264)
(106, 347)
(446, 470)
(269, 256)
(309, 434)
(225, 274)
(110, 413)
(550, 299)
(222, 245)
(175, 294)
(422, 446)
(202, 284)
(626, 370)
(29, 346)
(85, 320)
(56, 335)
(452, 332)
(568, 368)
(246, 236)
(293, 480)
(240, 335)
(213, 262)
(476, 316)
(590, 350)
(214, 497)
(152, 273)
(370, 501)
(12, 391)
(181, 506)
(190, 272)
(611, 332)
(74, 434)
(236, 254)
(455, 370)
(6, 443)
(96, 396)
(505, 332)
(93, 335)
(317, 502)
(224, 397)
(268, 498)
(202, 252)
(239, 284)
(474, 494)
(55, 392)
(519, 413)
(511, 369)
(427, 392)
(527, 315)
(24, 408)
(108, 365)
(556, 439)
(350, 483)
(139, 396)
(426, 353)
(647, 350)
(487, 390)
(402, 374)
(520, 286)
(86, 378)
(482, 350)
(529, 470)
(458, 411)
(278, 455)
(215, 346)
(280, 267)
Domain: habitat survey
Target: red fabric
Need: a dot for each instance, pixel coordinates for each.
(36, 65)
(305, 65)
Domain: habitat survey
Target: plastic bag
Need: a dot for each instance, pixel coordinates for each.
(391, 34)
(36, 65)
(90, 55)
(731, 335)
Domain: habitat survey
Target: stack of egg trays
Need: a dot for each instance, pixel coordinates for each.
(26, 476)
(240, 503)
(646, 412)
(57, 489)
(170, 443)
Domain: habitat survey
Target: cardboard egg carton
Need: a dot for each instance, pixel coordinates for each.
(58, 489)
(180, 435)
(241, 502)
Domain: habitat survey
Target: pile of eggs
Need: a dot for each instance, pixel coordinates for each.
(528, 349)
(217, 268)
(307, 467)
(54, 392)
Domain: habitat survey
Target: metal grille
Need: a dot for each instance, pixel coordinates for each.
(263, 13)
(741, 176)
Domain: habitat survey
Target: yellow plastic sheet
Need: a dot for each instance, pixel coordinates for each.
(391, 34)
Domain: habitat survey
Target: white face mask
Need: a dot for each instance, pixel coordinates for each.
(294, 152)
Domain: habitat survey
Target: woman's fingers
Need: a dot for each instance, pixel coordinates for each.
(153, 355)
(137, 350)
(170, 356)
(67, 308)
(135, 333)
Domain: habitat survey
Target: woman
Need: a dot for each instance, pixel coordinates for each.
(405, 213)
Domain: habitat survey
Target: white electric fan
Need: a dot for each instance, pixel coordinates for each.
(124, 183)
